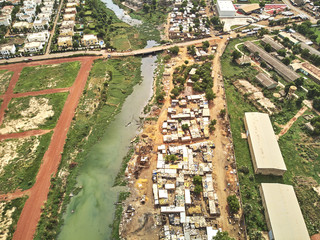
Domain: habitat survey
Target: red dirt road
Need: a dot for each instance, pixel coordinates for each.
(24, 134)
(31, 212)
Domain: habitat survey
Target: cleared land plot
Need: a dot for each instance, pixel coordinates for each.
(299, 149)
(28, 113)
(10, 213)
(20, 160)
(47, 76)
(5, 77)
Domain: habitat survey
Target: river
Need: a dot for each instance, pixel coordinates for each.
(93, 208)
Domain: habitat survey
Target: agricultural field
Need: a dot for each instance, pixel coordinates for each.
(5, 77)
(33, 112)
(10, 212)
(300, 150)
(20, 161)
(47, 77)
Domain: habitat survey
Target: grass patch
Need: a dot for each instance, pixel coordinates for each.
(120, 179)
(5, 77)
(19, 106)
(47, 76)
(16, 204)
(109, 81)
(21, 171)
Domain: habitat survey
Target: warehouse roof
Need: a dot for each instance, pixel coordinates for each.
(265, 80)
(282, 69)
(312, 50)
(284, 213)
(263, 141)
(276, 46)
(248, 8)
(226, 6)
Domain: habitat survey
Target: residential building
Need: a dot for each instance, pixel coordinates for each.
(33, 47)
(38, 37)
(71, 5)
(226, 8)
(44, 16)
(249, 8)
(20, 26)
(69, 17)
(7, 10)
(65, 41)
(244, 60)
(282, 212)
(40, 25)
(67, 24)
(46, 10)
(5, 20)
(89, 39)
(70, 10)
(265, 151)
(66, 32)
(6, 50)
(25, 17)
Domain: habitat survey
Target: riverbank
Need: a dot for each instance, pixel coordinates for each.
(109, 83)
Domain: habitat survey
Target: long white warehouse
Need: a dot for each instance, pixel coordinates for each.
(265, 151)
(282, 211)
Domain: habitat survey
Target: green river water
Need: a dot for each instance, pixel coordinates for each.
(90, 213)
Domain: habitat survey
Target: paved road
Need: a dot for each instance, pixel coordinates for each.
(104, 53)
(300, 11)
(54, 28)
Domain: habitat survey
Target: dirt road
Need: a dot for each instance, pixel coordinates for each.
(24, 134)
(38, 193)
(288, 125)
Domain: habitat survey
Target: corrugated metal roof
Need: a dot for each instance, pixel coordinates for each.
(268, 40)
(282, 69)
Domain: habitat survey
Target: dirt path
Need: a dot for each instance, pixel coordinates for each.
(286, 127)
(24, 134)
(7, 96)
(31, 212)
(16, 194)
(36, 93)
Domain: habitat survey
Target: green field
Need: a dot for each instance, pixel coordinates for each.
(15, 206)
(47, 76)
(5, 77)
(21, 171)
(300, 151)
(108, 85)
(23, 111)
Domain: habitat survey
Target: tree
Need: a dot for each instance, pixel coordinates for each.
(185, 127)
(197, 181)
(282, 52)
(222, 236)
(299, 82)
(146, 7)
(233, 203)
(174, 50)
(286, 61)
(212, 125)
(305, 53)
(236, 55)
(316, 103)
(268, 47)
(205, 45)
(222, 113)
(299, 101)
(262, 4)
(209, 94)
(171, 158)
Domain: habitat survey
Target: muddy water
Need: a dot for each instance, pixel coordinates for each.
(121, 14)
(90, 213)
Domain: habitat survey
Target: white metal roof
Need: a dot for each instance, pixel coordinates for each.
(264, 143)
(284, 212)
(226, 6)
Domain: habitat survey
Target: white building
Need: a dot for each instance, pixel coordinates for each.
(5, 20)
(40, 25)
(226, 8)
(33, 46)
(38, 37)
(44, 16)
(7, 50)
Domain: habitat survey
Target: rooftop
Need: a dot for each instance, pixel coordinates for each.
(263, 140)
(282, 207)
